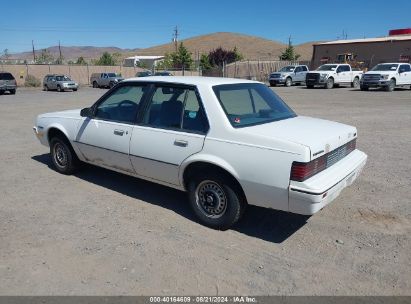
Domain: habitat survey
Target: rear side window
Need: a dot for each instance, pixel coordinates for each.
(304, 68)
(176, 108)
(247, 104)
(6, 76)
(405, 68)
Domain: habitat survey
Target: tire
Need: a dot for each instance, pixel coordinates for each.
(355, 83)
(310, 86)
(95, 85)
(364, 88)
(46, 88)
(1, 92)
(391, 86)
(64, 158)
(329, 84)
(59, 89)
(13, 92)
(216, 201)
(74, 90)
(273, 84)
(288, 82)
(111, 84)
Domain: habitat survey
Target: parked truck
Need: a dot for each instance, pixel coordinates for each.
(102, 80)
(289, 75)
(330, 75)
(387, 76)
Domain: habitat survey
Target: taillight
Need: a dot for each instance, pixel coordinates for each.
(302, 171)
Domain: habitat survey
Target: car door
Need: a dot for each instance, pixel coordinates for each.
(298, 74)
(304, 73)
(172, 129)
(104, 138)
(51, 83)
(344, 73)
(404, 76)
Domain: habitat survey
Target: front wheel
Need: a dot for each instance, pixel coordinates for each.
(63, 157)
(329, 84)
(391, 86)
(355, 83)
(364, 88)
(59, 89)
(310, 86)
(217, 202)
(288, 82)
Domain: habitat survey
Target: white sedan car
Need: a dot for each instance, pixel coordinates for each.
(227, 142)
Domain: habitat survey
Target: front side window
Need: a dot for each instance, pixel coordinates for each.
(405, 68)
(247, 104)
(176, 108)
(122, 105)
(289, 68)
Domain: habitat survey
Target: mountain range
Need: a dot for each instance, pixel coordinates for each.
(251, 47)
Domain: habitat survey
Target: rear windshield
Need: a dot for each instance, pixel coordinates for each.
(247, 104)
(6, 76)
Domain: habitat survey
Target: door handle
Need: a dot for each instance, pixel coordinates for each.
(180, 143)
(119, 132)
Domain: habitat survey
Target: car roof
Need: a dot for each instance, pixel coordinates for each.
(191, 80)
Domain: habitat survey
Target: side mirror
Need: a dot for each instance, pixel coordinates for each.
(86, 112)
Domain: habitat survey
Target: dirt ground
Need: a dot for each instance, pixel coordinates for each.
(103, 233)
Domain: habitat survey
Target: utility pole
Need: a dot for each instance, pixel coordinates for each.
(34, 54)
(175, 37)
(60, 58)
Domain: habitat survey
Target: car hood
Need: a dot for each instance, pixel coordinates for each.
(378, 72)
(319, 135)
(62, 114)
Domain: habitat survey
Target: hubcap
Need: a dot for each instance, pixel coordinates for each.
(211, 199)
(60, 155)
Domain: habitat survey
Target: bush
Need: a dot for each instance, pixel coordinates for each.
(32, 81)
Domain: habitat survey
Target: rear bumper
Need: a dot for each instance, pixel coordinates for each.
(312, 195)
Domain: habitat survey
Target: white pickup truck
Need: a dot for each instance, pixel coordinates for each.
(387, 76)
(329, 75)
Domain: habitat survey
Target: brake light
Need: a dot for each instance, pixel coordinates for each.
(302, 171)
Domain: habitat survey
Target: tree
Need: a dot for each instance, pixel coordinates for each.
(81, 61)
(205, 62)
(117, 58)
(59, 60)
(289, 53)
(221, 56)
(45, 57)
(6, 54)
(182, 58)
(165, 63)
(105, 59)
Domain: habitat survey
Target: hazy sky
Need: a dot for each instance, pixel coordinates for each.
(140, 24)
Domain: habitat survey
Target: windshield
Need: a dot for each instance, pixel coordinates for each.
(62, 78)
(247, 104)
(289, 68)
(327, 67)
(112, 75)
(385, 67)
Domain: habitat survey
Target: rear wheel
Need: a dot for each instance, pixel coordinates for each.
(273, 84)
(46, 88)
(216, 201)
(355, 83)
(330, 83)
(391, 86)
(63, 156)
(12, 92)
(288, 82)
(95, 85)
